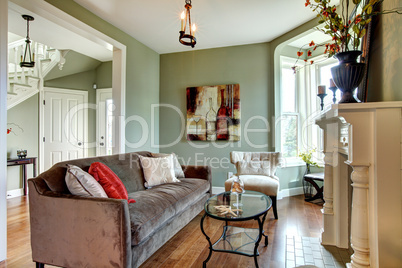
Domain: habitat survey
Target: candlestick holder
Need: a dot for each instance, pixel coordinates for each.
(333, 89)
(322, 96)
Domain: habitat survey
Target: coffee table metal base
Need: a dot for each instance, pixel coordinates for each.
(237, 240)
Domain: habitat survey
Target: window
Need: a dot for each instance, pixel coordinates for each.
(300, 106)
(289, 133)
(325, 76)
(289, 119)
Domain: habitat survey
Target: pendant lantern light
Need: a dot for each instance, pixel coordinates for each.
(28, 59)
(187, 39)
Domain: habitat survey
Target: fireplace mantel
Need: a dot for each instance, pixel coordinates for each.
(362, 186)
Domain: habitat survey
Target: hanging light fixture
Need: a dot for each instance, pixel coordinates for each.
(28, 59)
(187, 39)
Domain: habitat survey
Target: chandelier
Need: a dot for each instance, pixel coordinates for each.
(187, 39)
(27, 54)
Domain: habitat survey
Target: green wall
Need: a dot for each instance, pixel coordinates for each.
(245, 65)
(385, 63)
(74, 63)
(26, 116)
(142, 74)
(104, 75)
(252, 66)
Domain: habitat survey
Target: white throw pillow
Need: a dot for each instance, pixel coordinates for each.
(82, 183)
(178, 171)
(158, 170)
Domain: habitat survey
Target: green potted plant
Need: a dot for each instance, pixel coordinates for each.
(307, 156)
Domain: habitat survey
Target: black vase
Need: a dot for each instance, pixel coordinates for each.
(348, 74)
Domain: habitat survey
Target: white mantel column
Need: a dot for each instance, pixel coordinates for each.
(336, 184)
(360, 216)
(366, 140)
(328, 232)
(328, 184)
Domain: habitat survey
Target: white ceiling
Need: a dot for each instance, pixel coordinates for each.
(220, 23)
(314, 35)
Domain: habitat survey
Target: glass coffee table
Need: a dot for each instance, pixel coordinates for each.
(253, 206)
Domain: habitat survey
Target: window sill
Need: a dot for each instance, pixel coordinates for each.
(292, 162)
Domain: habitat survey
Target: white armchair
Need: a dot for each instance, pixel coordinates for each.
(257, 171)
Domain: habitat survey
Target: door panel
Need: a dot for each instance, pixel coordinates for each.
(64, 126)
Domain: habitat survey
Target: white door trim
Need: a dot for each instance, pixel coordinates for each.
(50, 12)
(98, 97)
(41, 119)
(3, 126)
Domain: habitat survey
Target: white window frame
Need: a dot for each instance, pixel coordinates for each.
(289, 161)
(320, 62)
(307, 105)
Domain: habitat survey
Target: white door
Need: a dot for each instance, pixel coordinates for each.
(104, 121)
(65, 116)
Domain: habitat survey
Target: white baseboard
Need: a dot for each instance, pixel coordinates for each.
(217, 190)
(290, 192)
(15, 193)
(281, 194)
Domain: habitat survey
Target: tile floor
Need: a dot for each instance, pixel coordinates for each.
(308, 251)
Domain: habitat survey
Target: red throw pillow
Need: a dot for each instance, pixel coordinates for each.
(112, 185)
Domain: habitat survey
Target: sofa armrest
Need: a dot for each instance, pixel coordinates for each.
(73, 231)
(199, 172)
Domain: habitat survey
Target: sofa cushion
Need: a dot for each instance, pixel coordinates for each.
(110, 182)
(126, 166)
(82, 183)
(178, 171)
(158, 170)
(158, 204)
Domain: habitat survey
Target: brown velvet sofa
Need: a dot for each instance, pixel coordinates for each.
(73, 231)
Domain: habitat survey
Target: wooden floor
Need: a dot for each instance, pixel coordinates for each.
(189, 247)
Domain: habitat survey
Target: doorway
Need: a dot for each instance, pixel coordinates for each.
(61, 19)
(104, 122)
(64, 124)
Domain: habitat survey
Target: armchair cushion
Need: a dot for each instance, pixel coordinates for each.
(264, 184)
(254, 168)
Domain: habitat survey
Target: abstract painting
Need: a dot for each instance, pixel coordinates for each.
(213, 113)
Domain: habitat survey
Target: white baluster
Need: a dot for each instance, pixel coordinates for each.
(16, 62)
(33, 52)
(20, 69)
(46, 52)
(23, 79)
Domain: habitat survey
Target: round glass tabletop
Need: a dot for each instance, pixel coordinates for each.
(230, 206)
